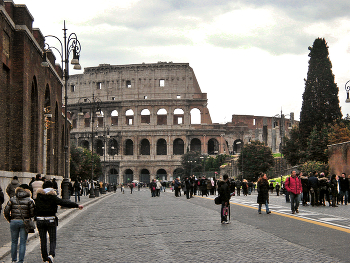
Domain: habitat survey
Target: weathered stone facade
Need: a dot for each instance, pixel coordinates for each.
(339, 158)
(151, 114)
(31, 121)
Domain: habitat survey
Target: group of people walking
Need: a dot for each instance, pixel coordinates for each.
(36, 201)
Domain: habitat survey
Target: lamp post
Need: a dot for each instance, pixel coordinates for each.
(70, 45)
(347, 88)
(95, 105)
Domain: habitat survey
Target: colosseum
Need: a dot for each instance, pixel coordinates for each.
(142, 118)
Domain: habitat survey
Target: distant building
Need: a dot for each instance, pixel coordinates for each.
(148, 116)
(31, 120)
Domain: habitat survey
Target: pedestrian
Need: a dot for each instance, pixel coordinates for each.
(334, 189)
(153, 187)
(47, 221)
(263, 193)
(37, 184)
(55, 185)
(77, 189)
(305, 185)
(11, 188)
(177, 187)
(313, 184)
(224, 193)
(131, 186)
(343, 189)
(238, 187)
(293, 186)
(158, 187)
(20, 206)
(278, 187)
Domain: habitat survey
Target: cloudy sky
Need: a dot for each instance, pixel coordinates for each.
(250, 57)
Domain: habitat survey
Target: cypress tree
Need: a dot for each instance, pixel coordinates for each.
(320, 99)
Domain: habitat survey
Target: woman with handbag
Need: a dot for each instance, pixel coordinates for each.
(19, 208)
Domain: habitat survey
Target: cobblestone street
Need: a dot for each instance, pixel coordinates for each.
(137, 228)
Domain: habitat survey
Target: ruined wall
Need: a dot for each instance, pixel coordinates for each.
(339, 158)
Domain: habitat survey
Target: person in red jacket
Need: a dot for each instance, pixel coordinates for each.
(293, 186)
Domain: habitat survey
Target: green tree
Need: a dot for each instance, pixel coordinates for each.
(320, 99)
(257, 158)
(317, 145)
(311, 166)
(292, 149)
(81, 163)
(191, 162)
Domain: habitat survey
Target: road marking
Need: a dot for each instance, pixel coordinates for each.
(284, 212)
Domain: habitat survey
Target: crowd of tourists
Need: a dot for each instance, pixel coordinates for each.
(38, 202)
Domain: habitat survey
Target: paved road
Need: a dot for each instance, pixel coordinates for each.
(138, 228)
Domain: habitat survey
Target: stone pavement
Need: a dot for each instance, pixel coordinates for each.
(138, 228)
(62, 213)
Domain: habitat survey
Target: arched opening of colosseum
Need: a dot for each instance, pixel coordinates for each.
(113, 147)
(195, 145)
(237, 146)
(145, 176)
(129, 117)
(145, 116)
(85, 144)
(162, 175)
(178, 147)
(99, 147)
(87, 119)
(128, 176)
(161, 147)
(145, 148)
(100, 118)
(213, 146)
(114, 117)
(162, 117)
(179, 116)
(195, 116)
(129, 147)
(113, 176)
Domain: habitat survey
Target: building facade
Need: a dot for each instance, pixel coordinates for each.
(31, 120)
(142, 118)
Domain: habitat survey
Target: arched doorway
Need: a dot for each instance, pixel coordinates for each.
(145, 176)
(128, 176)
(162, 175)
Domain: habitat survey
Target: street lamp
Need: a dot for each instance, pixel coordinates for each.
(70, 45)
(95, 105)
(347, 88)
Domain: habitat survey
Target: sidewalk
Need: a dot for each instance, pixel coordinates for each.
(62, 213)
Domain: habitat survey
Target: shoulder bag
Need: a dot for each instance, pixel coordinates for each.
(29, 224)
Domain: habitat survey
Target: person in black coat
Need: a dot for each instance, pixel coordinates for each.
(224, 193)
(263, 193)
(46, 208)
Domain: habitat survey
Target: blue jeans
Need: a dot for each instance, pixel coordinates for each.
(77, 194)
(294, 202)
(18, 230)
(266, 205)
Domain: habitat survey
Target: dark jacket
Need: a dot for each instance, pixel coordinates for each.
(20, 204)
(11, 188)
(1, 197)
(343, 184)
(47, 201)
(263, 191)
(313, 182)
(305, 183)
(224, 192)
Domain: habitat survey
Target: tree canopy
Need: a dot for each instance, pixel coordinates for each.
(257, 158)
(320, 104)
(80, 163)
